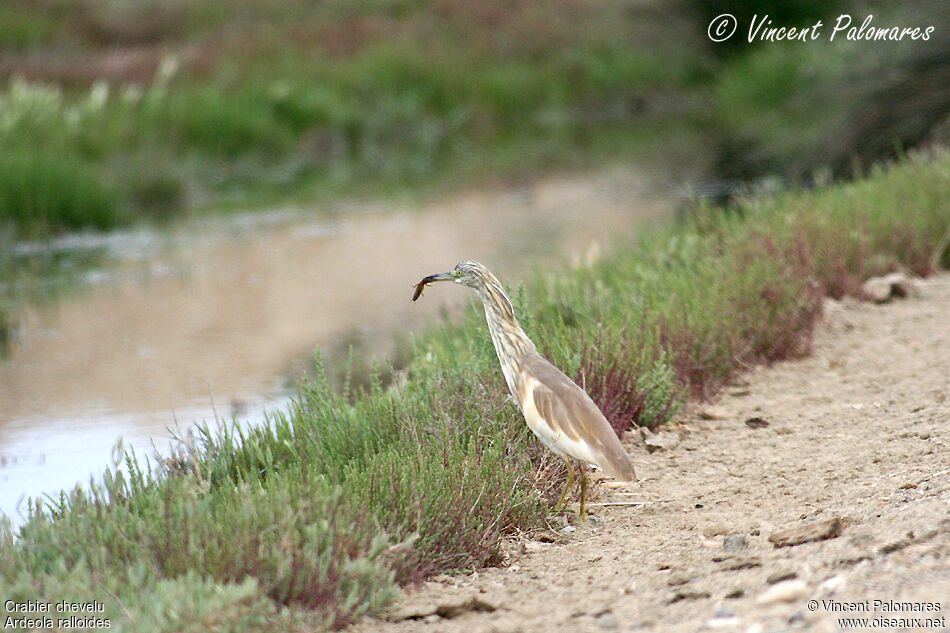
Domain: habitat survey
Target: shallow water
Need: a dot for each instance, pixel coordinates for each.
(213, 316)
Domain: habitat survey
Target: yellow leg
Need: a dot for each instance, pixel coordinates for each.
(583, 494)
(570, 482)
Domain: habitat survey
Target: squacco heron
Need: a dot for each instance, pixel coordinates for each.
(560, 413)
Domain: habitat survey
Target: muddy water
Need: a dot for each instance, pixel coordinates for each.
(210, 318)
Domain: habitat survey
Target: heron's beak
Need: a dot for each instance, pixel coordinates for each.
(439, 277)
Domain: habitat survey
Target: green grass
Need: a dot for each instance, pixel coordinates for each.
(265, 102)
(316, 518)
(319, 99)
(46, 192)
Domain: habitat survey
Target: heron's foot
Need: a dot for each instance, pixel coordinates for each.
(571, 475)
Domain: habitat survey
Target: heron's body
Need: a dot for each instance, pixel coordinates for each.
(559, 412)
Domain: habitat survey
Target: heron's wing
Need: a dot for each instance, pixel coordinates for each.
(569, 421)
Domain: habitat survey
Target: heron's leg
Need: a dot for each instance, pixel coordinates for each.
(570, 482)
(583, 494)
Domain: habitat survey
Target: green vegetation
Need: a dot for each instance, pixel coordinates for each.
(793, 109)
(304, 98)
(146, 110)
(326, 510)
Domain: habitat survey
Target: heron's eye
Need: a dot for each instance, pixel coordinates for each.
(458, 273)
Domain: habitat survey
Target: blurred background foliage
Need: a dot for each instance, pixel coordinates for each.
(112, 110)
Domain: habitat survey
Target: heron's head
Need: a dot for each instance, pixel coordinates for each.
(477, 277)
(467, 273)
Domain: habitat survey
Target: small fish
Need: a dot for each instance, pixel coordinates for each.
(419, 288)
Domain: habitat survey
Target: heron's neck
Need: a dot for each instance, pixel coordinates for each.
(511, 343)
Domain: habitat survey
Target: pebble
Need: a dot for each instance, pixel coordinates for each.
(607, 621)
(631, 586)
(721, 623)
(831, 585)
(779, 576)
(798, 534)
(883, 289)
(715, 529)
(733, 542)
(785, 591)
(713, 413)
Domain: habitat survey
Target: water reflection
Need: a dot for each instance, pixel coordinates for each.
(223, 309)
(43, 455)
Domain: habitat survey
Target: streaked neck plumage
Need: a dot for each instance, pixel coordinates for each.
(511, 343)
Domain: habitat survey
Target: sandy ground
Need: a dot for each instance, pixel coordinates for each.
(857, 432)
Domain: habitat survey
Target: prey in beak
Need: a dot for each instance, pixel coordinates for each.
(432, 279)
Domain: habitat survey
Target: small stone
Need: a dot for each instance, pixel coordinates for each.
(908, 485)
(663, 440)
(689, 595)
(817, 531)
(787, 591)
(607, 620)
(724, 612)
(716, 529)
(831, 585)
(713, 413)
(739, 565)
(567, 529)
(735, 594)
(733, 542)
(894, 285)
(722, 623)
(756, 423)
(877, 289)
(779, 576)
(910, 287)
